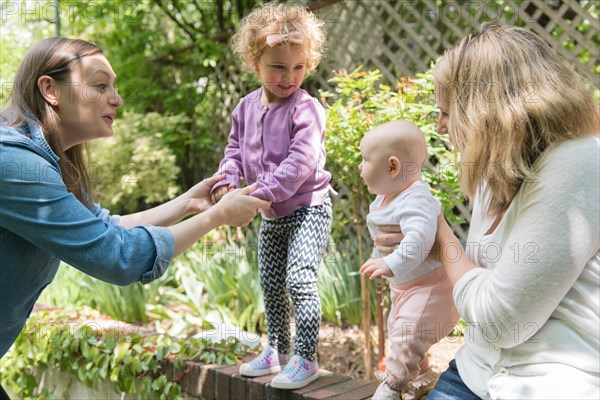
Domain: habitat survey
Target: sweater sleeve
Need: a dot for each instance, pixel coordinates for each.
(231, 165)
(417, 218)
(306, 144)
(37, 207)
(547, 236)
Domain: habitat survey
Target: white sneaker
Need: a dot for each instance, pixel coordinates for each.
(268, 362)
(298, 373)
(384, 392)
(422, 384)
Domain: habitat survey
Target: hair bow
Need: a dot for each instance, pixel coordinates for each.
(295, 37)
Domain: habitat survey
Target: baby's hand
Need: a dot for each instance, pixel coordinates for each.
(219, 193)
(375, 267)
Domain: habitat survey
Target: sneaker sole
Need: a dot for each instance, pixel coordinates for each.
(294, 385)
(259, 372)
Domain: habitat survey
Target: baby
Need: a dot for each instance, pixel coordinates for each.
(422, 310)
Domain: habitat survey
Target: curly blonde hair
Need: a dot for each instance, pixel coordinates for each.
(250, 39)
(510, 97)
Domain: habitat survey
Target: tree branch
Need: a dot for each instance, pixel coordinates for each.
(224, 36)
(220, 15)
(174, 19)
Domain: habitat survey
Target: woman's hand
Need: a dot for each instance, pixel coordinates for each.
(198, 196)
(389, 238)
(195, 200)
(235, 208)
(238, 209)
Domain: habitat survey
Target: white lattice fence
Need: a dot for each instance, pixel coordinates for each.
(401, 38)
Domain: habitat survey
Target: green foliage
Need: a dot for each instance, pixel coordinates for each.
(124, 303)
(339, 284)
(19, 32)
(134, 169)
(361, 103)
(216, 280)
(77, 341)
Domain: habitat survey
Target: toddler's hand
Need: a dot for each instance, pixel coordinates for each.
(219, 193)
(376, 267)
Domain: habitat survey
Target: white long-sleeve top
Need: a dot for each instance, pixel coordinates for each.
(533, 304)
(416, 211)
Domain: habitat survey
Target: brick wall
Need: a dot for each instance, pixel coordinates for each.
(222, 382)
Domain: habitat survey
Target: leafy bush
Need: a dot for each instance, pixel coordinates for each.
(124, 303)
(135, 168)
(80, 342)
(216, 280)
(361, 103)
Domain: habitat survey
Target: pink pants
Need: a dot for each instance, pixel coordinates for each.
(422, 313)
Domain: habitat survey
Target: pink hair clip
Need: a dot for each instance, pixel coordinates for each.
(295, 37)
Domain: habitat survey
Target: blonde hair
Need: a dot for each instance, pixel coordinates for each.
(250, 39)
(510, 97)
(54, 57)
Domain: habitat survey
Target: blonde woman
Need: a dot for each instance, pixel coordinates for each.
(527, 282)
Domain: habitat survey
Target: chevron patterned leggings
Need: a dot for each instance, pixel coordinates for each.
(290, 250)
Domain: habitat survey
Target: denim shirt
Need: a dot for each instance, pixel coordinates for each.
(41, 223)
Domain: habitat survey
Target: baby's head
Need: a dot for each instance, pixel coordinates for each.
(392, 156)
(273, 25)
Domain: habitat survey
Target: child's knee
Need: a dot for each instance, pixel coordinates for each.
(302, 290)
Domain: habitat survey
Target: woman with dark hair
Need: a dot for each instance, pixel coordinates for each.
(63, 97)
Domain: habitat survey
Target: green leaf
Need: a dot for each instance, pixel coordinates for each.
(121, 350)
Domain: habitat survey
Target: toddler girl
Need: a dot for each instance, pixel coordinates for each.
(277, 140)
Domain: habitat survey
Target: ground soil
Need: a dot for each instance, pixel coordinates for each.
(341, 351)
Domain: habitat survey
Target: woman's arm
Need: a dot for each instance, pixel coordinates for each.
(235, 208)
(38, 208)
(453, 257)
(195, 200)
(450, 253)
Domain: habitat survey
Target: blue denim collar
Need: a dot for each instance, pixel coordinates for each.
(31, 136)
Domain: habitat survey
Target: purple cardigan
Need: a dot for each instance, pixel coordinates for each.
(281, 147)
